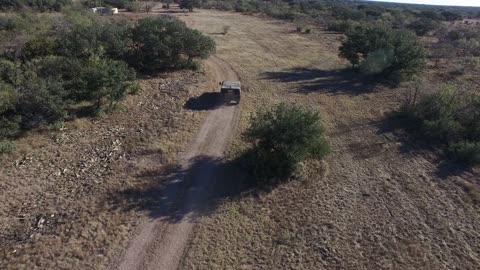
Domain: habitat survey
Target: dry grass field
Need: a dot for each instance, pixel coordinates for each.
(62, 204)
(379, 201)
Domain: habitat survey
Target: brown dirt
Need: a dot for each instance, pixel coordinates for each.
(379, 201)
(161, 239)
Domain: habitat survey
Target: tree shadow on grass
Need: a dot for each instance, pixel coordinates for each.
(184, 191)
(412, 142)
(337, 81)
(206, 101)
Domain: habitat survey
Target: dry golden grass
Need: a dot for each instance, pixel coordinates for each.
(377, 202)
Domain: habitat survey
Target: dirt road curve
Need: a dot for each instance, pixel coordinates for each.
(160, 241)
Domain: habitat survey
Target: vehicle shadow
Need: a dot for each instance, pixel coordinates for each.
(337, 81)
(206, 101)
(192, 190)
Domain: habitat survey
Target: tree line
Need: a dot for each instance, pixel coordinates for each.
(41, 5)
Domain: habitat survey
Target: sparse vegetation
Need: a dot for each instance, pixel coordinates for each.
(397, 16)
(448, 117)
(43, 5)
(282, 137)
(6, 147)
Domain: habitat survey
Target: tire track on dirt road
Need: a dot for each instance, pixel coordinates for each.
(161, 240)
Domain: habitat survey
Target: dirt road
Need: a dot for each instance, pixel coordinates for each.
(160, 241)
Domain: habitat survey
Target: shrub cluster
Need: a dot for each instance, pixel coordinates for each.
(380, 50)
(85, 59)
(282, 137)
(447, 117)
(460, 46)
(165, 42)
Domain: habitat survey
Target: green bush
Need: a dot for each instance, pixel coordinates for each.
(344, 12)
(466, 152)
(282, 137)
(107, 81)
(97, 79)
(423, 26)
(84, 41)
(451, 15)
(448, 118)
(6, 147)
(431, 15)
(342, 26)
(38, 47)
(165, 42)
(40, 102)
(408, 57)
(376, 62)
(196, 45)
(9, 122)
(189, 4)
(9, 71)
(6, 23)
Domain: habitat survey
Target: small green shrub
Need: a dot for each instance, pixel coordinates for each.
(466, 152)
(165, 42)
(6, 147)
(135, 88)
(282, 137)
(38, 47)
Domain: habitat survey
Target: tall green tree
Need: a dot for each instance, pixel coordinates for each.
(197, 45)
(406, 56)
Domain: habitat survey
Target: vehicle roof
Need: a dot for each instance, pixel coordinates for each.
(231, 84)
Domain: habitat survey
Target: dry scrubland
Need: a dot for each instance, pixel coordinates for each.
(62, 200)
(377, 202)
